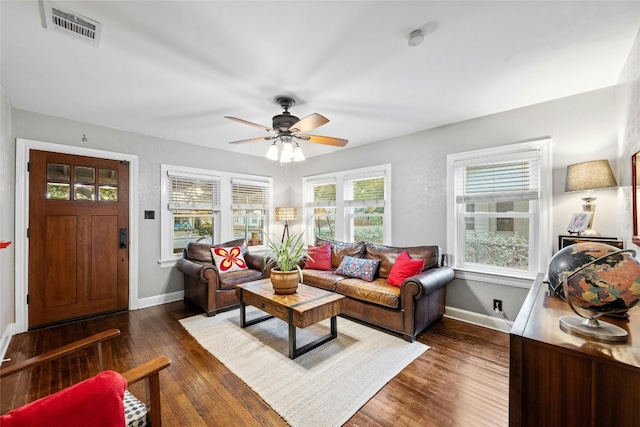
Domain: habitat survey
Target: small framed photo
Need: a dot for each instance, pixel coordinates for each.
(579, 222)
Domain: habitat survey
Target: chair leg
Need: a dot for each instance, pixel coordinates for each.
(153, 397)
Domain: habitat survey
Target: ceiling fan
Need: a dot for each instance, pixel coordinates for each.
(288, 129)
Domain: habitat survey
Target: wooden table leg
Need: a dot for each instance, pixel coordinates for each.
(295, 352)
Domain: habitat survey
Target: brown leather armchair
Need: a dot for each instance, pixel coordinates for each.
(209, 289)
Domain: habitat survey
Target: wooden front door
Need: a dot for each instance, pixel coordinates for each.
(78, 237)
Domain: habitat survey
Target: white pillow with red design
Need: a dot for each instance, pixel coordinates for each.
(229, 259)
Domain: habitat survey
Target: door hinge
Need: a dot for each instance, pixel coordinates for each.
(28, 166)
(27, 299)
(124, 162)
(28, 233)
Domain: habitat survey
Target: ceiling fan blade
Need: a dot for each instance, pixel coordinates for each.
(326, 140)
(249, 123)
(262, 138)
(312, 121)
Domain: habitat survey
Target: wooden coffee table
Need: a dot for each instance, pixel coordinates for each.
(306, 307)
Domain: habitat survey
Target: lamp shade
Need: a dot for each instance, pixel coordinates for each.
(272, 154)
(286, 214)
(589, 176)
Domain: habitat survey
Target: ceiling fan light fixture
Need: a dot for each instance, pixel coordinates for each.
(298, 155)
(287, 150)
(272, 154)
(284, 159)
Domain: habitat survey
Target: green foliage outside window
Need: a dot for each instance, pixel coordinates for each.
(498, 250)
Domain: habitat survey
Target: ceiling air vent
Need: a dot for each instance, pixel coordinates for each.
(67, 22)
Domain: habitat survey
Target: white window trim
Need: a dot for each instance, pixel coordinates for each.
(224, 223)
(542, 228)
(342, 208)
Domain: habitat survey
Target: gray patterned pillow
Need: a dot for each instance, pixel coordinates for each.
(364, 269)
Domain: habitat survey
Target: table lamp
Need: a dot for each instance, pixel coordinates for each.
(589, 176)
(286, 214)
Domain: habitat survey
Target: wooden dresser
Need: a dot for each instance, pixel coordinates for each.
(559, 379)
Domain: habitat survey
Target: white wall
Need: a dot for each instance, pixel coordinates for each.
(153, 280)
(582, 128)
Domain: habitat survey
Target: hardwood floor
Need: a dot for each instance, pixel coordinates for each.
(461, 381)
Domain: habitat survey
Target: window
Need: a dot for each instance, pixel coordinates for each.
(349, 206)
(212, 207)
(250, 207)
(194, 202)
(365, 206)
(499, 202)
(321, 207)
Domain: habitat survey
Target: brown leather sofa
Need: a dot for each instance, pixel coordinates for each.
(407, 309)
(206, 287)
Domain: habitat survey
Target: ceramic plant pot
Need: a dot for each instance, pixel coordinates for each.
(285, 282)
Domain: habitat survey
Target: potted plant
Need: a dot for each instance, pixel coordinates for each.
(286, 255)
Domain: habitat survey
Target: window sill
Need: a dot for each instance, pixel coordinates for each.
(168, 263)
(498, 279)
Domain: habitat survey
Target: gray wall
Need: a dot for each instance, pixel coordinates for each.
(152, 152)
(628, 103)
(582, 127)
(7, 232)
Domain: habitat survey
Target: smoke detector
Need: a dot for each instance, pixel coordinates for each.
(415, 38)
(67, 22)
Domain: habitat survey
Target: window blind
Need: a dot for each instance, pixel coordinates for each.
(249, 194)
(193, 192)
(365, 192)
(498, 182)
(321, 195)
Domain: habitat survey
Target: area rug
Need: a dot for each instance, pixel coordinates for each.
(323, 387)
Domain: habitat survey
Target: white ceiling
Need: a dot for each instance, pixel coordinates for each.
(173, 69)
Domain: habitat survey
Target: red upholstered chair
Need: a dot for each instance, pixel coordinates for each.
(98, 401)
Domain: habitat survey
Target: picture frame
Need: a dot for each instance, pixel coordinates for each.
(579, 222)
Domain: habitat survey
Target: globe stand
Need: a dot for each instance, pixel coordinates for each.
(590, 326)
(593, 328)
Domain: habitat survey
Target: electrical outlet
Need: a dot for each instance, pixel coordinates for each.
(497, 305)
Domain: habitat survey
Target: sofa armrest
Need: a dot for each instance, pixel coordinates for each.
(427, 282)
(198, 270)
(255, 261)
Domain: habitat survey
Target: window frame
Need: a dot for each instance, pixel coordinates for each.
(539, 226)
(344, 209)
(223, 215)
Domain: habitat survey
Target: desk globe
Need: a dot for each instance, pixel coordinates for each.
(595, 279)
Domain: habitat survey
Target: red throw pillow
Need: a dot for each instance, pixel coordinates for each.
(404, 267)
(320, 257)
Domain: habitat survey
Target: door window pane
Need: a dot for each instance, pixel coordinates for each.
(108, 176)
(84, 174)
(108, 193)
(58, 191)
(58, 172)
(84, 192)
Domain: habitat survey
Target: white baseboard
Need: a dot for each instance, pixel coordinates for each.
(6, 339)
(160, 299)
(491, 322)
